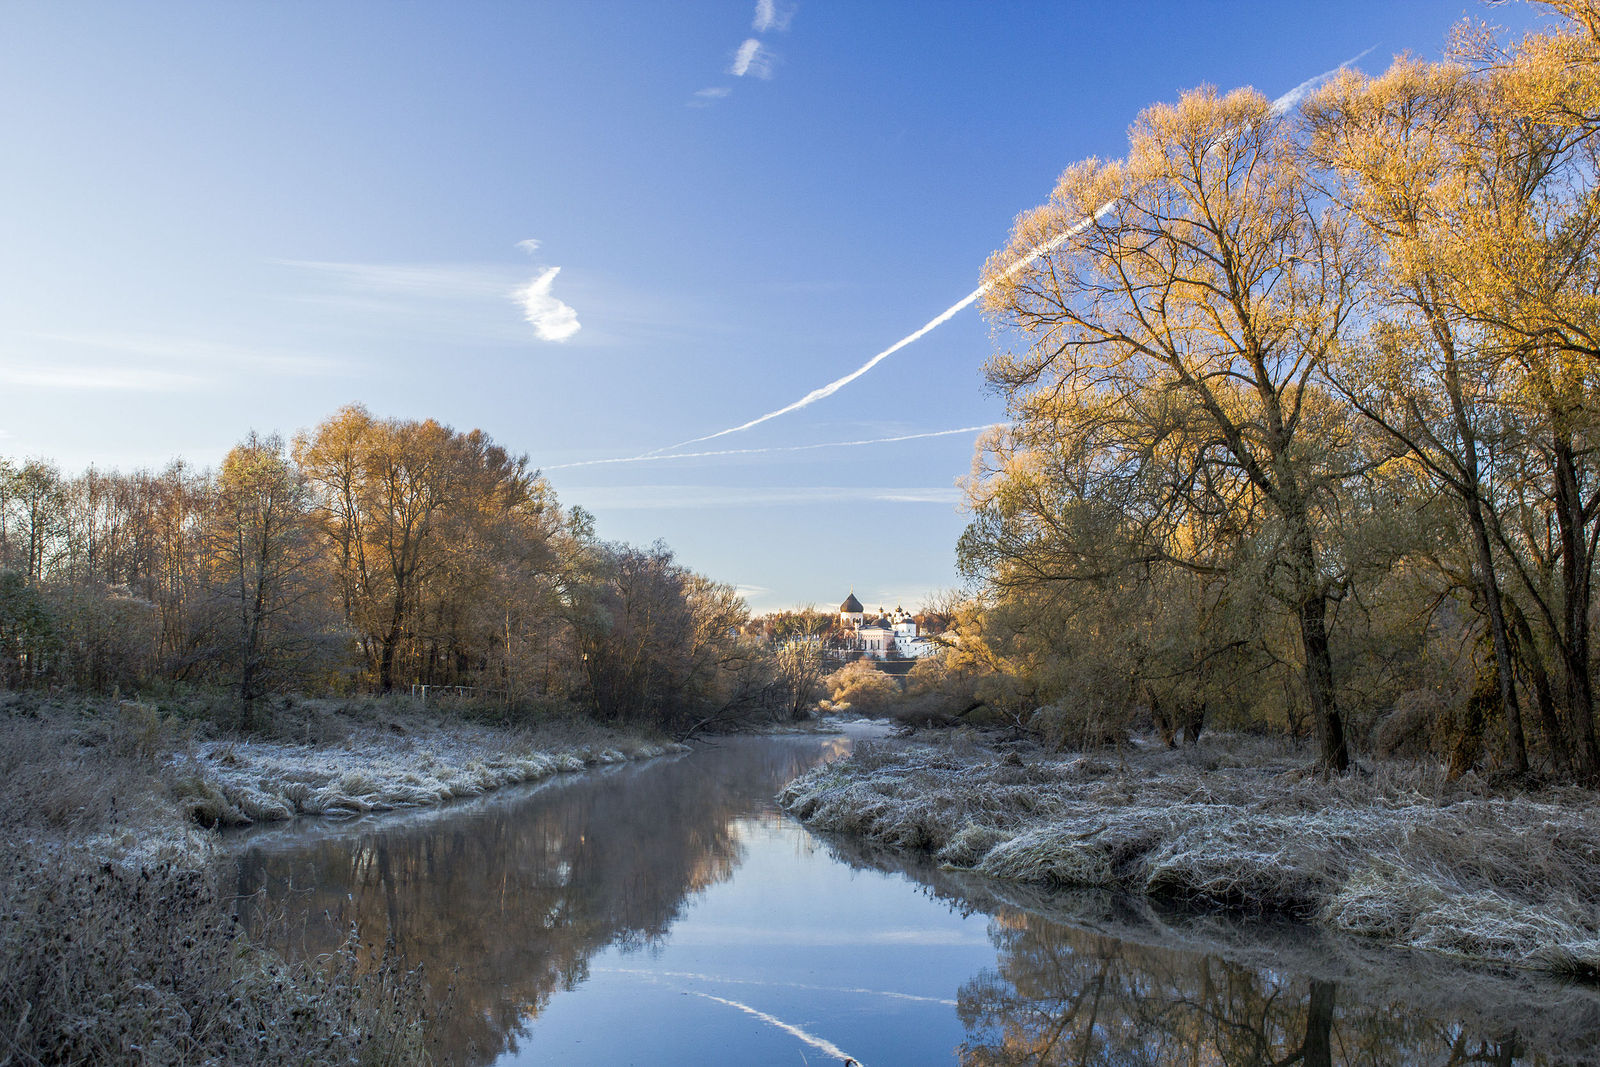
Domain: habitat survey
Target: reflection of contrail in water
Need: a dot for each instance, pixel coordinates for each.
(659, 455)
(821, 1044)
(783, 985)
(1279, 106)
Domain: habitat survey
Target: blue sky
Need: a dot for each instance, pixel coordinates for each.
(575, 226)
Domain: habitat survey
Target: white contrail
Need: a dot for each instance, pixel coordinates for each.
(1301, 91)
(1279, 106)
(821, 1044)
(938, 320)
(659, 455)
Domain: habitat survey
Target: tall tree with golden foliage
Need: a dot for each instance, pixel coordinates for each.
(1474, 179)
(260, 556)
(402, 505)
(1190, 294)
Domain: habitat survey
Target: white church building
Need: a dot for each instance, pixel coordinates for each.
(884, 635)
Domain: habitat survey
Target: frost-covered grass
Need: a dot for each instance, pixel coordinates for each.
(115, 940)
(378, 766)
(139, 964)
(1398, 854)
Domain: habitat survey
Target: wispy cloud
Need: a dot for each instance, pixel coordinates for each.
(97, 377)
(552, 320)
(682, 497)
(197, 351)
(109, 361)
(448, 290)
(912, 599)
(770, 15)
(752, 58)
(444, 281)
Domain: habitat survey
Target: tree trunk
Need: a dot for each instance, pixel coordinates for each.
(1516, 742)
(1194, 719)
(1575, 580)
(386, 659)
(1332, 755)
(1317, 1048)
(1527, 654)
(1466, 729)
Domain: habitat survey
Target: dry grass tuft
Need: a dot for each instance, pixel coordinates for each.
(115, 944)
(101, 963)
(1398, 854)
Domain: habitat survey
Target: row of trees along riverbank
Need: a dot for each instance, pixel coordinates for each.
(370, 554)
(1304, 414)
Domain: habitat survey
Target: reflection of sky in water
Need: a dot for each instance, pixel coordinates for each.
(665, 913)
(858, 959)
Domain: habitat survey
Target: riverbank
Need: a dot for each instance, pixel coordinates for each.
(116, 944)
(1396, 854)
(132, 781)
(399, 759)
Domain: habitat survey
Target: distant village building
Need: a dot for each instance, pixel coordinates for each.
(875, 638)
(886, 635)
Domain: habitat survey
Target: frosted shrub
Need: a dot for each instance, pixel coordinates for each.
(1400, 854)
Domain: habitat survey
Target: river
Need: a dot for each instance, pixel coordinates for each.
(668, 913)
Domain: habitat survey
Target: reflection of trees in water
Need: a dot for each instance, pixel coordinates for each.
(508, 903)
(1117, 981)
(1060, 995)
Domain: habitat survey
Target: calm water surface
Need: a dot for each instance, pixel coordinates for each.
(667, 913)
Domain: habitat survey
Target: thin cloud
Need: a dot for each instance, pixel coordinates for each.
(108, 361)
(210, 354)
(1281, 105)
(94, 377)
(458, 293)
(708, 96)
(682, 497)
(438, 280)
(658, 457)
(752, 59)
(772, 16)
